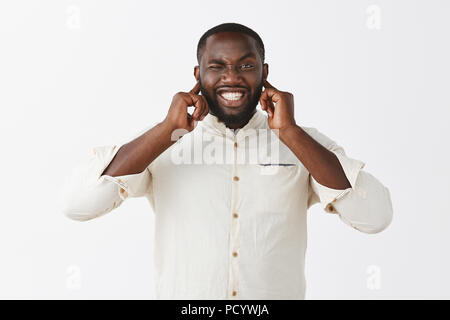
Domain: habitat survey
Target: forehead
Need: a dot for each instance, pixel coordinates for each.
(229, 46)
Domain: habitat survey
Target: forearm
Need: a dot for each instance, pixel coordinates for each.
(321, 163)
(134, 156)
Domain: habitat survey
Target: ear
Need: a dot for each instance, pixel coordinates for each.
(197, 72)
(265, 71)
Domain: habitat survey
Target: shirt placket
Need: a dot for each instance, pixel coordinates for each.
(233, 283)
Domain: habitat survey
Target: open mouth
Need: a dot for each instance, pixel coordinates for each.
(232, 97)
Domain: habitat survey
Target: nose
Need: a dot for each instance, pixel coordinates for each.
(231, 75)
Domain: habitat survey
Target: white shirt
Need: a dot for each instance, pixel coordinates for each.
(227, 226)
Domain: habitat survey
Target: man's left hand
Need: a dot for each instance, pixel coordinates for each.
(279, 106)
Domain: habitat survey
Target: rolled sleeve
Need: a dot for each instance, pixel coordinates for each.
(365, 206)
(327, 195)
(88, 194)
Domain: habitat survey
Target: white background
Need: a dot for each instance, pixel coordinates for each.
(372, 75)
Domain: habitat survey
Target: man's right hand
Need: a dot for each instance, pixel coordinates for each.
(178, 116)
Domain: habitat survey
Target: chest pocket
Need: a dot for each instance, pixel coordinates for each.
(276, 168)
(274, 185)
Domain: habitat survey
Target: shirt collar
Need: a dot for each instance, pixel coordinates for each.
(211, 122)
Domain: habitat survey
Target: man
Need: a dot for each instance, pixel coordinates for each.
(230, 205)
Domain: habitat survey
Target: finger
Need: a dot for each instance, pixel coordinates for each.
(266, 102)
(191, 100)
(201, 109)
(272, 95)
(196, 88)
(263, 101)
(271, 103)
(268, 85)
(198, 104)
(265, 106)
(191, 124)
(203, 106)
(191, 121)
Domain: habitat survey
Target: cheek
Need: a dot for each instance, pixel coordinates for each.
(209, 80)
(254, 79)
(254, 76)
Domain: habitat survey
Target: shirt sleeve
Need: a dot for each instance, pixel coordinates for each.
(87, 194)
(365, 206)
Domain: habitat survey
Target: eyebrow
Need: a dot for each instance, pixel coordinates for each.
(247, 55)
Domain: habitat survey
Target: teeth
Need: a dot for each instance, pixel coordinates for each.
(232, 95)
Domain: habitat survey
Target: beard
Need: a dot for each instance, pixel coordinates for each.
(240, 118)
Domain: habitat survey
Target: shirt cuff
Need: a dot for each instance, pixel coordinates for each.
(327, 195)
(132, 185)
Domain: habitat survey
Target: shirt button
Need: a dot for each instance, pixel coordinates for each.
(235, 254)
(236, 178)
(235, 144)
(234, 293)
(235, 215)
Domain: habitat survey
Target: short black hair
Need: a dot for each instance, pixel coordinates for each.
(231, 27)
